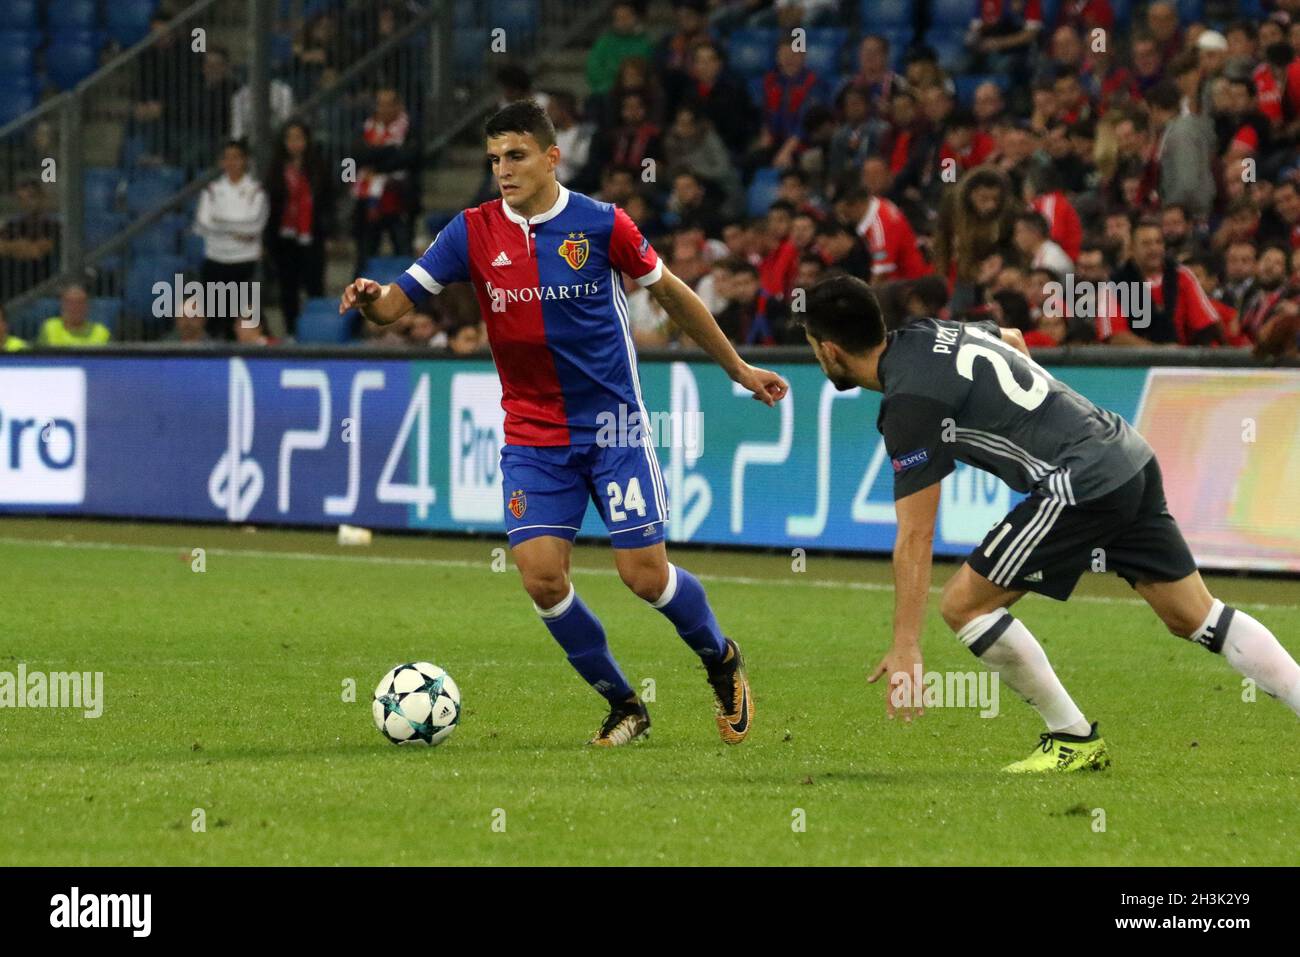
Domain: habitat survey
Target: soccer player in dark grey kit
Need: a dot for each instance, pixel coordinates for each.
(969, 392)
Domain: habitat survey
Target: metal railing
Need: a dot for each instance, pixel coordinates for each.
(101, 180)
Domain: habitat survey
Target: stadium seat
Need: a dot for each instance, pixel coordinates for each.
(762, 191)
(194, 249)
(108, 312)
(1123, 10)
(69, 63)
(160, 238)
(516, 16)
(26, 322)
(467, 13)
(100, 187)
(899, 42)
(15, 103)
(386, 268)
(128, 20)
(437, 220)
(1189, 11)
(73, 15)
(99, 226)
(752, 51)
(140, 279)
(15, 60)
(949, 46)
(967, 83)
(878, 16)
(952, 14)
(150, 186)
(20, 14)
(320, 322)
(825, 48)
(469, 46)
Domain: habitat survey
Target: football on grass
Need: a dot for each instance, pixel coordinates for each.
(416, 704)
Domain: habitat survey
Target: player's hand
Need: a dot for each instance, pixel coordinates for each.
(904, 668)
(767, 387)
(359, 292)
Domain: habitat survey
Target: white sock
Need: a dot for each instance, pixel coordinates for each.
(1005, 645)
(1253, 651)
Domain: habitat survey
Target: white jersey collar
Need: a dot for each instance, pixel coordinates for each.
(561, 201)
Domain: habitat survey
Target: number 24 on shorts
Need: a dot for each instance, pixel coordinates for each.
(620, 502)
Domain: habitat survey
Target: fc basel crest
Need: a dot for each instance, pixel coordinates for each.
(574, 250)
(518, 503)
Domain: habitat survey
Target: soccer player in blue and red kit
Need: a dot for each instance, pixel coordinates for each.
(546, 265)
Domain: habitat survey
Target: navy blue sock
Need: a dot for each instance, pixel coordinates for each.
(687, 607)
(582, 637)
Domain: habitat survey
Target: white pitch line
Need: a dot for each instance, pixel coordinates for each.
(798, 581)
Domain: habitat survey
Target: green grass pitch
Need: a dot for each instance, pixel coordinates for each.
(224, 692)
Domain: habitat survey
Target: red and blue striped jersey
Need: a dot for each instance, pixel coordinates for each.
(550, 289)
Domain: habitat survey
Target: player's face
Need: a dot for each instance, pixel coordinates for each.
(522, 168)
(831, 360)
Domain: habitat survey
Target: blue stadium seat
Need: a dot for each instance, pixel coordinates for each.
(437, 220)
(1050, 7)
(77, 36)
(1123, 10)
(108, 312)
(386, 268)
(320, 322)
(140, 279)
(949, 45)
(467, 13)
(150, 186)
(752, 51)
(880, 15)
(762, 191)
(100, 187)
(966, 85)
(15, 60)
(14, 104)
(73, 15)
(18, 36)
(99, 226)
(952, 14)
(825, 48)
(899, 42)
(516, 16)
(20, 14)
(468, 48)
(26, 322)
(128, 20)
(69, 63)
(161, 238)
(193, 248)
(1189, 11)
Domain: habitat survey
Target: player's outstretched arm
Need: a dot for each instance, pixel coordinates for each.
(913, 557)
(688, 313)
(378, 303)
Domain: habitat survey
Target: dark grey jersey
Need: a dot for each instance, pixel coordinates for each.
(955, 392)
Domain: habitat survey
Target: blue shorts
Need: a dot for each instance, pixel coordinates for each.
(546, 490)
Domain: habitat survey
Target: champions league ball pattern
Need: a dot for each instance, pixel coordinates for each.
(416, 704)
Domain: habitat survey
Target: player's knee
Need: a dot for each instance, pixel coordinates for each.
(954, 608)
(546, 588)
(646, 581)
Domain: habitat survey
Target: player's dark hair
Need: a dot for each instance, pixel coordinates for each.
(844, 310)
(1015, 310)
(522, 116)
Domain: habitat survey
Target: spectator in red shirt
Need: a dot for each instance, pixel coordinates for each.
(965, 145)
(1180, 311)
(1206, 273)
(1084, 15)
(780, 263)
(1045, 196)
(887, 234)
(1001, 38)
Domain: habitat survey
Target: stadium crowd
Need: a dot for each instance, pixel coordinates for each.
(970, 158)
